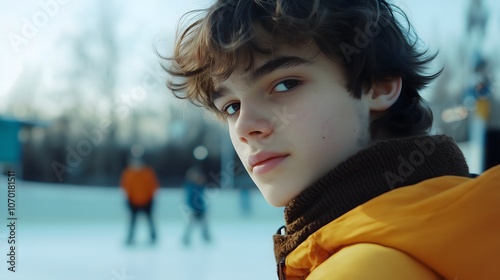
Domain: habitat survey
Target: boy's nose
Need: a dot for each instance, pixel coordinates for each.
(253, 124)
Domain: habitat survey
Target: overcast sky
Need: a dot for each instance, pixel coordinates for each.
(438, 23)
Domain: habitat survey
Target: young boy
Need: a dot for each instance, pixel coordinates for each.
(322, 104)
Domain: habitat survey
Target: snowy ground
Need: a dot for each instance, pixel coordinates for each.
(69, 232)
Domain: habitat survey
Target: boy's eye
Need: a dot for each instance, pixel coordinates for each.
(286, 85)
(231, 109)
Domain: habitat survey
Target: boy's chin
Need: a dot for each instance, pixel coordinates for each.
(276, 200)
(279, 195)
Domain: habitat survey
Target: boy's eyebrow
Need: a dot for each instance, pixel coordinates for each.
(277, 63)
(272, 65)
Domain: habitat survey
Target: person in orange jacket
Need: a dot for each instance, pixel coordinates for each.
(321, 100)
(139, 183)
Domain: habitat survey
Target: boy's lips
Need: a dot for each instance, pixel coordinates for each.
(264, 161)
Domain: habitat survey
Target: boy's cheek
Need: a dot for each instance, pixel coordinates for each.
(238, 147)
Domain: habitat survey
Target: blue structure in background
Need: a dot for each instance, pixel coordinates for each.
(10, 146)
(11, 153)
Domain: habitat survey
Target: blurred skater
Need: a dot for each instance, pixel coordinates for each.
(139, 183)
(194, 187)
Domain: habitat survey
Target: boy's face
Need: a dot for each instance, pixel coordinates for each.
(291, 120)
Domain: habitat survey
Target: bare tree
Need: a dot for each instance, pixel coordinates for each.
(96, 64)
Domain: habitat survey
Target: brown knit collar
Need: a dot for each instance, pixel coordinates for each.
(371, 172)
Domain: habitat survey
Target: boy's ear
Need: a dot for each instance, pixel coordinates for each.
(384, 93)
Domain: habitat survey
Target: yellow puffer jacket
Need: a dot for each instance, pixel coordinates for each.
(442, 228)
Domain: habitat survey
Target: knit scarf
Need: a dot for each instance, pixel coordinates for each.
(378, 169)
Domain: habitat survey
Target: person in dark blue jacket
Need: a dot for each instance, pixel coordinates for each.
(194, 187)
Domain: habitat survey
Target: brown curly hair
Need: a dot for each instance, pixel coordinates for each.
(364, 36)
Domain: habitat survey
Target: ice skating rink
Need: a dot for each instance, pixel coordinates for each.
(66, 232)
